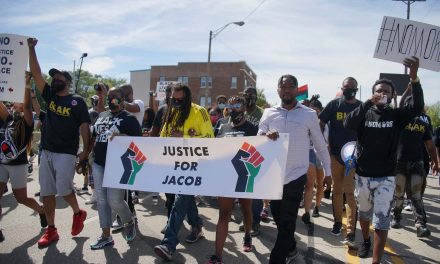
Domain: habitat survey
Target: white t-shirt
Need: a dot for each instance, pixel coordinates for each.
(139, 115)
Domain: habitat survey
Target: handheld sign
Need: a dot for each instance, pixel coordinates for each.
(160, 89)
(13, 62)
(401, 38)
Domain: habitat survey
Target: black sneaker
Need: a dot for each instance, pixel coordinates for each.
(327, 193)
(395, 223)
(255, 230)
(195, 235)
(291, 258)
(315, 212)
(364, 250)
(306, 218)
(247, 244)
(423, 231)
(336, 231)
(43, 220)
(349, 241)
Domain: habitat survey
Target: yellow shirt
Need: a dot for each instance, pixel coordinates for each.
(198, 122)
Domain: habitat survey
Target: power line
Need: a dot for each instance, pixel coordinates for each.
(255, 9)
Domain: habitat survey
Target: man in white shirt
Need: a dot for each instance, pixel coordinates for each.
(134, 106)
(302, 124)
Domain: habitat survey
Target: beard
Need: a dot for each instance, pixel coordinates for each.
(287, 101)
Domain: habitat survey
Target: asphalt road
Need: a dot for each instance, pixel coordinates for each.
(22, 230)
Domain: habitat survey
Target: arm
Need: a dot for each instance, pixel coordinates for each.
(34, 65)
(356, 117)
(84, 130)
(132, 107)
(320, 145)
(3, 111)
(27, 105)
(433, 154)
(408, 92)
(35, 103)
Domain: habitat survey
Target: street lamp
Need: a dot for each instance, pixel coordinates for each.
(213, 34)
(79, 72)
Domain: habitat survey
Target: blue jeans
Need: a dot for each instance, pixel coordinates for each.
(109, 199)
(183, 205)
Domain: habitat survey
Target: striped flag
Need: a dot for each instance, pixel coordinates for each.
(303, 92)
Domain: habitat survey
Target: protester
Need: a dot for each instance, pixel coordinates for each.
(315, 173)
(302, 124)
(410, 171)
(16, 141)
(147, 121)
(342, 180)
(66, 118)
(238, 127)
(378, 127)
(114, 122)
(183, 119)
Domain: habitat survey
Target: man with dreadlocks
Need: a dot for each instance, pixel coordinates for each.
(183, 119)
(15, 143)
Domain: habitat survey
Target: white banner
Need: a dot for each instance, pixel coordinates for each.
(160, 89)
(13, 63)
(403, 38)
(240, 167)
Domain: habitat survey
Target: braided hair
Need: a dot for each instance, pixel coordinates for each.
(314, 101)
(175, 118)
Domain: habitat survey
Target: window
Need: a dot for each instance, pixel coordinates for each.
(234, 82)
(205, 81)
(161, 78)
(183, 79)
(203, 101)
(245, 82)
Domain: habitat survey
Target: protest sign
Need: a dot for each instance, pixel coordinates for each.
(402, 38)
(242, 167)
(13, 62)
(160, 89)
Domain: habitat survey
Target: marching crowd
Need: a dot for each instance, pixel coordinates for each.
(393, 153)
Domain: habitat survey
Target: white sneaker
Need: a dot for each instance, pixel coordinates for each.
(93, 199)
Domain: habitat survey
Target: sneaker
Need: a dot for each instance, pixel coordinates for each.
(264, 216)
(349, 240)
(364, 250)
(291, 258)
(423, 231)
(2, 237)
(315, 212)
(129, 231)
(408, 207)
(395, 223)
(93, 199)
(336, 231)
(306, 218)
(255, 230)
(43, 220)
(214, 260)
(134, 198)
(195, 235)
(78, 222)
(247, 244)
(117, 224)
(50, 236)
(327, 193)
(82, 190)
(163, 252)
(102, 242)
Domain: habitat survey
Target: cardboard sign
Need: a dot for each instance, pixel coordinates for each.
(160, 89)
(241, 167)
(13, 62)
(402, 38)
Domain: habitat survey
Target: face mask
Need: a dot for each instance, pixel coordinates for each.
(113, 103)
(236, 117)
(349, 94)
(57, 85)
(214, 119)
(176, 103)
(250, 100)
(221, 106)
(16, 115)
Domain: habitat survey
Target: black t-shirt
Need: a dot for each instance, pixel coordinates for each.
(412, 137)
(108, 123)
(245, 130)
(157, 122)
(10, 124)
(64, 116)
(335, 112)
(436, 137)
(93, 115)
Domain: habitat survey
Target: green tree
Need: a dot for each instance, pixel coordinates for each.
(434, 113)
(261, 98)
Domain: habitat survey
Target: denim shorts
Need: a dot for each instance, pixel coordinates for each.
(314, 160)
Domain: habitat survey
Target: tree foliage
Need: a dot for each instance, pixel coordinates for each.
(261, 98)
(434, 113)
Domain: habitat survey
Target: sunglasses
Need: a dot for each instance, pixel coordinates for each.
(236, 106)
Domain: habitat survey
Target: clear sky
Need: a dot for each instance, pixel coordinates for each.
(321, 42)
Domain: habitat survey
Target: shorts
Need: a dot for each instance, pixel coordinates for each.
(16, 173)
(56, 173)
(314, 160)
(375, 197)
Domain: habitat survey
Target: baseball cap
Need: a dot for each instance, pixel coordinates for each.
(66, 75)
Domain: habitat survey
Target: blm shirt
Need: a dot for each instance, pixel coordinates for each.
(245, 130)
(255, 116)
(412, 137)
(334, 113)
(64, 116)
(9, 124)
(108, 123)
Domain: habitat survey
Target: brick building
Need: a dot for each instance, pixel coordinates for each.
(207, 81)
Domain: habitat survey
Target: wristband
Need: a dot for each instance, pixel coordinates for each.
(416, 80)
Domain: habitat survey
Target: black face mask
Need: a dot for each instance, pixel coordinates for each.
(57, 85)
(250, 100)
(113, 103)
(176, 103)
(16, 115)
(236, 117)
(349, 94)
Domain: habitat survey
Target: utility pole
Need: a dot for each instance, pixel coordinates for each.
(408, 11)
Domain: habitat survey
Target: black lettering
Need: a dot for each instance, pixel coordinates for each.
(427, 43)
(5, 70)
(176, 165)
(165, 181)
(4, 41)
(186, 150)
(180, 180)
(197, 151)
(3, 60)
(190, 182)
(164, 151)
(179, 151)
(198, 181)
(205, 151)
(2, 89)
(172, 180)
(194, 166)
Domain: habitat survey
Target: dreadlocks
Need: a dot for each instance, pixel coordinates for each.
(19, 135)
(175, 116)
